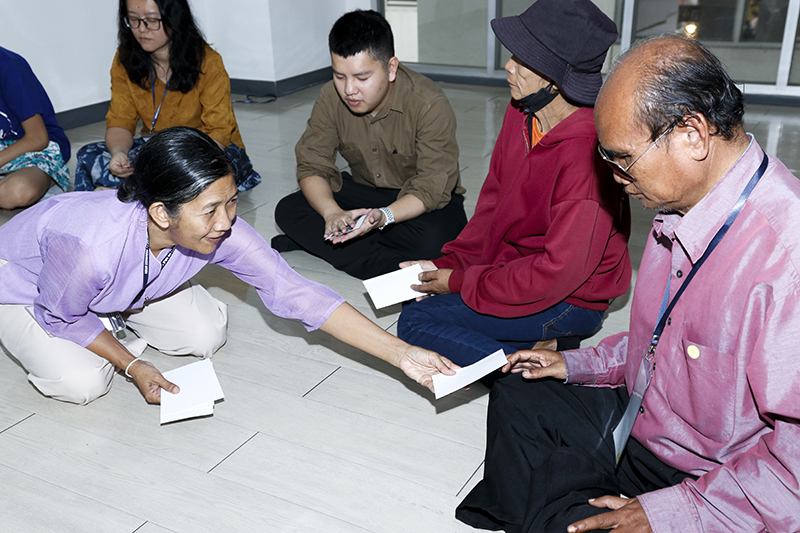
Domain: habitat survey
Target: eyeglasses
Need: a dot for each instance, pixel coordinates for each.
(624, 170)
(149, 23)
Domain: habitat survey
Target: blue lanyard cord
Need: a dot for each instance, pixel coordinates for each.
(146, 269)
(623, 429)
(153, 90)
(737, 208)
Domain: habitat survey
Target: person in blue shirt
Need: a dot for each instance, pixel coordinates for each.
(34, 149)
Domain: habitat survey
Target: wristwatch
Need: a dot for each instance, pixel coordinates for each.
(389, 217)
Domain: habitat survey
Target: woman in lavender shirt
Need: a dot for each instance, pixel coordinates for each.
(129, 255)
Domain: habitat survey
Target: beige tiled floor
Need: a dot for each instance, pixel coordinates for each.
(313, 435)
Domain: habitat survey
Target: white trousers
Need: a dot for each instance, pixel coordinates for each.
(188, 322)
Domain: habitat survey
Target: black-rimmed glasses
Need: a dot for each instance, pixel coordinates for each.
(149, 23)
(623, 171)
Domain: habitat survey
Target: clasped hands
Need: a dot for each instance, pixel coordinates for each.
(339, 224)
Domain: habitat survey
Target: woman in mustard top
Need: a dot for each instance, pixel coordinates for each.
(164, 74)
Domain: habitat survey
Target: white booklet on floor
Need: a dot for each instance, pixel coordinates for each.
(199, 390)
(444, 385)
(394, 287)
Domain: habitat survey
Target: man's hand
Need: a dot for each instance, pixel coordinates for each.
(373, 218)
(120, 165)
(150, 381)
(338, 223)
(537, 364)
(435, 281)
(627, 517)
(421, 365)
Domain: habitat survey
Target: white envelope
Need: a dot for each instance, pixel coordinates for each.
(444, 385)
(394, 287)
(199, 390)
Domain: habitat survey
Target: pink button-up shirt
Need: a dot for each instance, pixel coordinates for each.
(724, 403)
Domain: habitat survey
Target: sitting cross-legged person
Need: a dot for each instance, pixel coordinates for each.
(546, 249)
(166, 75)
(397, 132)
(33, 148)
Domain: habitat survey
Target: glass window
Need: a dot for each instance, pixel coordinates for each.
(794, 73)
(453, 32)
(745, 34)
(402, 17)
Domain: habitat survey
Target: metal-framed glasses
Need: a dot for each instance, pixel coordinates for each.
(150, 23)
(623, 171)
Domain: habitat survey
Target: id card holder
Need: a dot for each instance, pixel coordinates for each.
(114, 323)
(145, 136)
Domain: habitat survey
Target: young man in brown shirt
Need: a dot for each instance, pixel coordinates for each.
(396, 131)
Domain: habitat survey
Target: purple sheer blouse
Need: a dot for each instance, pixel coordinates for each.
(82, 254)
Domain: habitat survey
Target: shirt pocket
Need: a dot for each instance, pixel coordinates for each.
(702, 390)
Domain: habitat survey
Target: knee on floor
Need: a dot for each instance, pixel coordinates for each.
(79, 386)
(207, 338)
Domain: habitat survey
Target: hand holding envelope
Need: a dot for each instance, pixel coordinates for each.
(444, 385)
(394, 287)
(199, 390)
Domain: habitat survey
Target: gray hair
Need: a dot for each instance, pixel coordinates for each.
(687, 81)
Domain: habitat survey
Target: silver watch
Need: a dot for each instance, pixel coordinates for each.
(389, 216)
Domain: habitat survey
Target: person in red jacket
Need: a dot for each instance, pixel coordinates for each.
(546, 249)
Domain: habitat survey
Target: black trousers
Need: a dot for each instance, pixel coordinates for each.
(377, 252)
(549, 449)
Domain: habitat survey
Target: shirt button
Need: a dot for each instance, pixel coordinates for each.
(679, 273)
(641, 409)
(374, 149)
(693, 351)
(377, 175)
(669, 321)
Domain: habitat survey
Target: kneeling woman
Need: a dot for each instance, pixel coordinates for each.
(80, 256)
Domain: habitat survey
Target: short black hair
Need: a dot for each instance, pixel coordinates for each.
(362, 31)
(174, 167)
(688, 81)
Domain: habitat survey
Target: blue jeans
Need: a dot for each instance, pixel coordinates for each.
(445, 324)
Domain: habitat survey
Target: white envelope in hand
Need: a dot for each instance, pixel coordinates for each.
(394, 287)
(444, 385)
(199, 390)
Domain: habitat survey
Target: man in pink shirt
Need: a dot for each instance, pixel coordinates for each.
(715, 441)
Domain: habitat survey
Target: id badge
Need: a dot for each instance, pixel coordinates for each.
(114, 323)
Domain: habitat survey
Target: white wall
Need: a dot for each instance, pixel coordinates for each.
(241, 31)
(297, 52)
(70, 45)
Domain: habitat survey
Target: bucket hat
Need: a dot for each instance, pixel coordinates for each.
(566, 40)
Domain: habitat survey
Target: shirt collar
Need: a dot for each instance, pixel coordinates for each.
(695, 230)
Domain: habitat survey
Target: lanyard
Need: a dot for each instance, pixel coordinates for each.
(146, 269)
(645, 374)
(153, 90)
